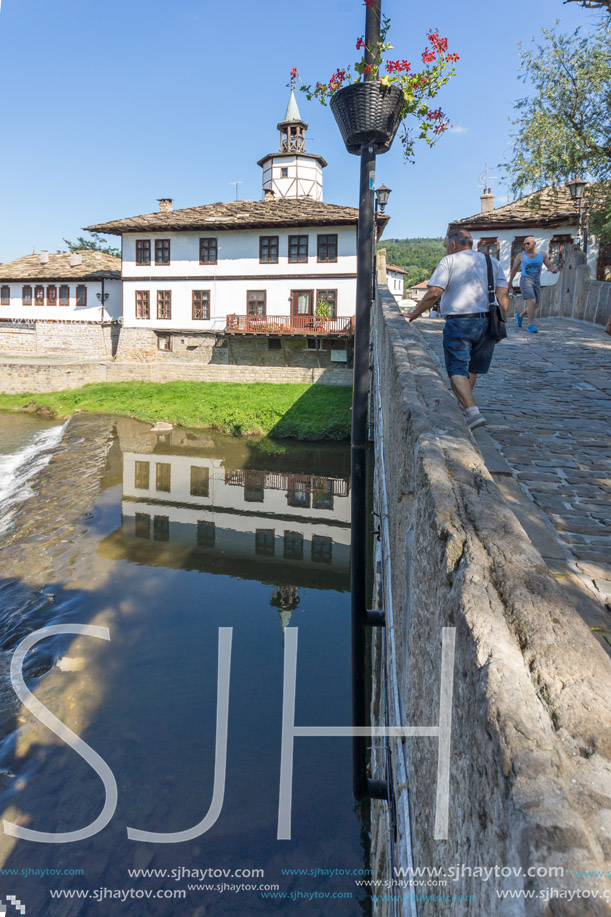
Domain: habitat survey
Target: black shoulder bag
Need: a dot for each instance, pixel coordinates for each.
(497, 326)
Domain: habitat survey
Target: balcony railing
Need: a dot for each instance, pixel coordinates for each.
(307, 325)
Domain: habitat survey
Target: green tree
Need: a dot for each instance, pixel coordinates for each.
(563, 127)
(593, 4)
(96, 243)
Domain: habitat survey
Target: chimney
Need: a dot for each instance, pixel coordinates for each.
(44, 256)
(381, 266)
(269, 194)
(165, 204)
(487, 199)
(75, 259)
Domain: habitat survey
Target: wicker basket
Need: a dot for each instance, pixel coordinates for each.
(367, 113)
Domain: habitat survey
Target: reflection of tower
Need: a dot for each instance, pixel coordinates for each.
(286, 600)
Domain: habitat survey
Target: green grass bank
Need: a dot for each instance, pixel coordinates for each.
(307, 412)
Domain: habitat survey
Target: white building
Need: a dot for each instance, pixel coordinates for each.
(395, 276)
(281, 266)
(549, 215)
(79, 287)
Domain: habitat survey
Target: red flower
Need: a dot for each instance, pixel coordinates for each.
(428, 57)
(369, 3)
(452, 57)
(293, 73)
(360, 44)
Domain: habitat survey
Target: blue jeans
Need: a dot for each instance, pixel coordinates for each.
(467, 346)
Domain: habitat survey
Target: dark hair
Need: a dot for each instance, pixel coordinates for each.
(461, 236)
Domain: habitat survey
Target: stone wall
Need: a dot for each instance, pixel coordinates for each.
(18, 376)
(86, 340)
(530, 765)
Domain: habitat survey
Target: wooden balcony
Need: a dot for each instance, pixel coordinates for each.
(306, 325)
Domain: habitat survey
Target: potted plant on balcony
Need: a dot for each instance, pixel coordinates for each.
(323, 314)
(370, 101)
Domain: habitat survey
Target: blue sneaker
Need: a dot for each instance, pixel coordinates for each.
(532, 328)
(519, 319)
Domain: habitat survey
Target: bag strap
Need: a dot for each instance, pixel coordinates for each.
(491, 289)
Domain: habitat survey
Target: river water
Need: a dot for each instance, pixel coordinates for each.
(174, 537)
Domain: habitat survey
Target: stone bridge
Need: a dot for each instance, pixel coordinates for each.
(503, 537)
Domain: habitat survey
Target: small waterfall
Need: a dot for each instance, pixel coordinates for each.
(18, 468)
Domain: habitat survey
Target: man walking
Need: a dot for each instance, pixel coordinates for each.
(530, 262)
(461, 279)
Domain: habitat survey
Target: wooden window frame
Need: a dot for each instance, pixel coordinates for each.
(144, 301)
(284, 171)
(269, 242)
(161, 246)
(324, 294)
(208, 251)
(161, 528)
(143, 251)
(39, 295)
(52, 299)
(321, 245)
(139, 475)
(24, 302)
(322, 549)
(5, 295)
(292, 545)
(296, 242)
(199, 488)
(490, 240)
(253, 293)
(164, 305)
(264, 546)
(64, 300)
(163, 477)
(205, 306)
(81, 294)
(562, 239)
(518, 240)
(208, 539)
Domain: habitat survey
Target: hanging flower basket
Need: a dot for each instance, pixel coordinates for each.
(368, 113)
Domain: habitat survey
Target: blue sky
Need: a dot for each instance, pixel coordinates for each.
(108, 106)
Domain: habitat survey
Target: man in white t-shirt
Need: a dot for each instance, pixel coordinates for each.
(461, 279)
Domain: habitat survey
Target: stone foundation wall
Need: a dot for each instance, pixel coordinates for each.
(530, 762)
(33, 376)
(16, 377)
(81, 339)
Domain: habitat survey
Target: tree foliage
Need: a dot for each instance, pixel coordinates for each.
(96, 243)
(419, 257)
(563, 127)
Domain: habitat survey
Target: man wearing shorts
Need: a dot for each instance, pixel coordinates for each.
(461, 279)
(530, 262)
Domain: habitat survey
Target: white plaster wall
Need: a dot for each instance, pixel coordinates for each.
(395, 284)
(220, 493)
(238, 256)
(92, 312)
(543, 237)
(304, 177)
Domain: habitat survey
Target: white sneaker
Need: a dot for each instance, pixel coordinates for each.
(478, 421)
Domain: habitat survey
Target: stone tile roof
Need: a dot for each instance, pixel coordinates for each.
(95, 266)
(550, 206)
(237, 215)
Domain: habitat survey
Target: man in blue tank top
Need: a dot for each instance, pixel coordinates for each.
(530, 263)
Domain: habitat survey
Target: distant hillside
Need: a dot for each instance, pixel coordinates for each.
(419, 257)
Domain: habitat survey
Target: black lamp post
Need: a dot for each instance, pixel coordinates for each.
(577, 187)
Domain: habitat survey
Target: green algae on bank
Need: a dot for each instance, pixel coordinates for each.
(306, 412)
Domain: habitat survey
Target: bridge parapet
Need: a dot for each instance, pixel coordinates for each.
(530, 763)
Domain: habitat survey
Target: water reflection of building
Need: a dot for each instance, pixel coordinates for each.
(195, 512)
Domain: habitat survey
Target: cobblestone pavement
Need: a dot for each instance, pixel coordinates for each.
(547, 400)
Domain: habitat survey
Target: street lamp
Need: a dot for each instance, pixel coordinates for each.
(577, 187)
(381, 199)
(382, 195)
